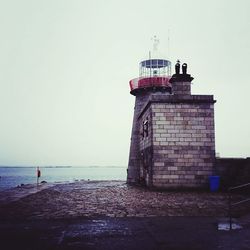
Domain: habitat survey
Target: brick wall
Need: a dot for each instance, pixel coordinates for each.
(180, 144)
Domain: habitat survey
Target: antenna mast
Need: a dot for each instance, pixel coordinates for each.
(168, 53)
(156, 42)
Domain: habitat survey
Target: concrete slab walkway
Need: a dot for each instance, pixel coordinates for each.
(105, 233)
(111, 215)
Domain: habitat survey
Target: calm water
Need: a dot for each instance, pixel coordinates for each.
(14, 176)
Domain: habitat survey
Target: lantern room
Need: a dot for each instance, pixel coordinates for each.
(153, 74)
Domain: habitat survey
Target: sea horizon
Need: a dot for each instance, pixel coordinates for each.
(61, 166)
(14, 176)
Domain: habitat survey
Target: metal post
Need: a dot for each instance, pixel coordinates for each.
(37, 176)
(230, 209)
(232, 204)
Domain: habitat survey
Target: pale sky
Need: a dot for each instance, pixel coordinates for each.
(66, 64)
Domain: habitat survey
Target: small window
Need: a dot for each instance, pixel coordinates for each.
(145, 128)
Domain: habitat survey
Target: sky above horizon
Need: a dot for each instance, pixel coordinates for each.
(65, 68)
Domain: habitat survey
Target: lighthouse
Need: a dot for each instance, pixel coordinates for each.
(154, 76)
(173, 140)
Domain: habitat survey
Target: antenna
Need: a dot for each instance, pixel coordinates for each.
(150, 62)
(168, 52)
(156, 42)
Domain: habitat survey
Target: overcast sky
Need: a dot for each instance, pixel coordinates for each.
(65, 67)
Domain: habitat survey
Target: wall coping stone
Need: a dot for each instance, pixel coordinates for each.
(182, 99)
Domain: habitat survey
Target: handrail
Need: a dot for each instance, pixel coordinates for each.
(230, 204)
(240, 186)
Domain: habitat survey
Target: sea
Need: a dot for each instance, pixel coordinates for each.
(16, 176)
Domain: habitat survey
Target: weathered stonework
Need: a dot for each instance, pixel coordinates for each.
(180, 145)
(173, 138)
(133, 175)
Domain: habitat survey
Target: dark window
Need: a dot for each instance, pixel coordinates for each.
(145, 128)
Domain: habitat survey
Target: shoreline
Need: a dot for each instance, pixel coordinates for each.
(22, 190)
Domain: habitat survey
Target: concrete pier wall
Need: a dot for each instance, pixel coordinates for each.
(233, 171)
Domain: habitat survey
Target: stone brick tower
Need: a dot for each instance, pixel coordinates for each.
(173, 141)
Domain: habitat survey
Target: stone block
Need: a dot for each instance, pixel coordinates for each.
(161, 139)
(165, 151)
(178, 118)
(170, 176)
(156, 135)
(172, 168)
(162, 118)
(161, 123)
(172, 139)
(156, 143)
(159, 114)
(183, 143)
(160, 164)
(156, 110)
(165, 143)
(165, 135)
(192, 177)
(173, 155)
(159, 131)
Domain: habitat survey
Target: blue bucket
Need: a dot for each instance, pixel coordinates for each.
(214, 182)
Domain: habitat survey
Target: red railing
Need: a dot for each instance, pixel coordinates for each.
(145, 82)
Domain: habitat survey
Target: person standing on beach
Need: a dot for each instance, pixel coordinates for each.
(38, 174)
